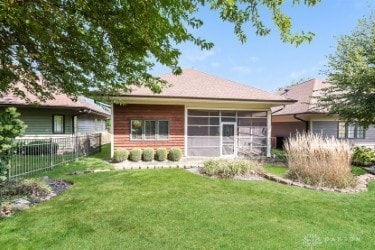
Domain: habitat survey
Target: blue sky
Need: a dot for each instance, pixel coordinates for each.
(266, 62)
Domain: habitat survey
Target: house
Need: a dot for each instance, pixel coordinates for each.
(305, 116)
(59, 117)
(200, 113)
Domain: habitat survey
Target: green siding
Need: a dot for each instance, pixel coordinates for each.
(39, 120)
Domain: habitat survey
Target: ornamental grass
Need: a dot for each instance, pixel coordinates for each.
(320, 161)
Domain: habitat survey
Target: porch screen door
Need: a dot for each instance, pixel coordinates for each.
(228, 139)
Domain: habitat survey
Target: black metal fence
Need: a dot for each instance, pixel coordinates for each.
(35, 155)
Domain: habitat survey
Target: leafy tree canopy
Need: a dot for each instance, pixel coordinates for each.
(351, 70)
(82, 45)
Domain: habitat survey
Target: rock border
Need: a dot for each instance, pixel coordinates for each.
(362, 183)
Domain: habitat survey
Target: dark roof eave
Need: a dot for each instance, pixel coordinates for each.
(210, 98)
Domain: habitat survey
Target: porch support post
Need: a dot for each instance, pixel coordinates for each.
(112, 131)
(185, 130)
(269, 129)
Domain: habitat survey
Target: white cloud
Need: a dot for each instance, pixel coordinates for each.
(198, 56)
(253, 59)
(247, 70)
(298, 74)
(215, 65)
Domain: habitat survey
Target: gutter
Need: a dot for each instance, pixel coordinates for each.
(306, 122)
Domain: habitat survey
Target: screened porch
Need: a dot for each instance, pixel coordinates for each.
(226, 133)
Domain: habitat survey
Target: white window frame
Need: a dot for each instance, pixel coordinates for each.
(157, 137)
(355, 131)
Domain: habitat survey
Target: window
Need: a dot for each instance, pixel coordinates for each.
(350, 131)
(149, 130)
(58, 122)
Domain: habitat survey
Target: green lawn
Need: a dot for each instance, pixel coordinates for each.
(282, 171)
(172, 209)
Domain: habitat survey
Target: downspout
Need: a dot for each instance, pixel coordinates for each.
(306, 122)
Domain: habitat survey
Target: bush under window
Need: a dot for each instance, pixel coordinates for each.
(148, 154)
(135, 154)
(120, 155)
(174, 154)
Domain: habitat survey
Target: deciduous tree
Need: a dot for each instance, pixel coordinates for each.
(82, 45)
(351, 71)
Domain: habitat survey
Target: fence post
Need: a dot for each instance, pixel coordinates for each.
(9, 169)
(50, 152)
(100, 142)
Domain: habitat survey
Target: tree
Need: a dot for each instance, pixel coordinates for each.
(77, 46)
(10, 128)
(351, 71)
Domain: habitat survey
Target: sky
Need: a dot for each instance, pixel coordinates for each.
(266, 62)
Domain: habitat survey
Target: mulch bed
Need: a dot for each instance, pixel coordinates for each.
(19, 203)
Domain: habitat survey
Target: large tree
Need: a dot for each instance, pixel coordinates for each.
(83, 45)
(351, 71)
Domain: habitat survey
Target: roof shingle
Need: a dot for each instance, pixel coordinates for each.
(59, 101)
(306, 93)
(193, 84)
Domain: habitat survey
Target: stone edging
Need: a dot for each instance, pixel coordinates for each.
(362, 183)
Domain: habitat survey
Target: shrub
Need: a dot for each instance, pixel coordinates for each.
(363, 156)
(120, 155)
(174, 154)
(161, 154)
(135, 154)
(319, 161)
(40, 148)
(10, 128)
(279, 154)
(228, 168)
(148, 154)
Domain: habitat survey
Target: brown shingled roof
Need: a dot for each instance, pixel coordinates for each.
(306, 93)
(193, 84)
(59, 101)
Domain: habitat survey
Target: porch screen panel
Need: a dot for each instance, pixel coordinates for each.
(203, 133)
(252, 133)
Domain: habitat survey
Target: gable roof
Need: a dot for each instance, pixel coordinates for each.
(60, 101)
(193, 84)
(306, 93)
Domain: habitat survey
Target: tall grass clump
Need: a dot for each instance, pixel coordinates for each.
(319, 161)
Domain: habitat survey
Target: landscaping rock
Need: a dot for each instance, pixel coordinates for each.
(20, 204)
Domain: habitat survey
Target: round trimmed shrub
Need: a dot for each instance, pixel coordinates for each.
(174, 154)
(148, 154)
(120, 155)
(161, 154)
(135, 154)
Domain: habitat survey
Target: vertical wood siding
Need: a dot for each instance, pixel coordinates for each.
(124, 114)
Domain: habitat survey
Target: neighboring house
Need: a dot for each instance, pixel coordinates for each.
(58, 117)
(200, 113)
(305, 116)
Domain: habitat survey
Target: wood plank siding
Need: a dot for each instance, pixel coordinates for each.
(122, 116)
